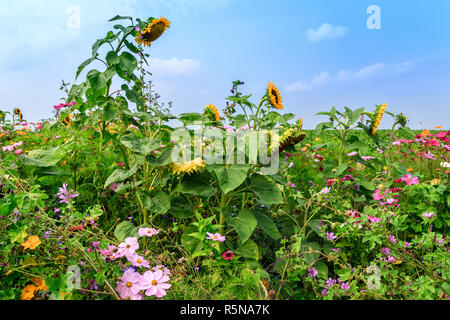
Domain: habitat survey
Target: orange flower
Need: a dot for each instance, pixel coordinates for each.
(28, 292)
(410, 169)
(425, 133)
(69, 295)
(31, 243)
(40, 284)
(438, 127)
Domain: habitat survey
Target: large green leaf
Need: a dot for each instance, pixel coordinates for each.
(120, 175)
(267, 191)
(196, 186)
(124, 230)
(248, 249)
(180, 208)
(267, 225)
(245, 223)
(141, 146)
(229, 178)
(43, 158)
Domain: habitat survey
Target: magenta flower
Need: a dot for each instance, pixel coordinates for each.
(114, 186)
(324, 292)
(377, 195)
(386, 251)
(390, 259)
(325, 190)
(428, 215)
(65, 195)
(312, 272)
(215, 237)
(392, 238)
(330, 236)
(367, 158)
(155, 283)
(352, 154)
(410, 180)
(345, 286)
(429, 155)
(129, 247)
(330, 282)
(129, 285)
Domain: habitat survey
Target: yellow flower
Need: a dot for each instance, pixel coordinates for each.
(153, 31)
(317, 139)
(275, 97)
(69, 295)
(435, 182)
(378, 116)
(40, 284)
(300, 124)
(214, 110)
(188, 167)
(28, 292)
(31, 243)
(304, 149)
(19, 113)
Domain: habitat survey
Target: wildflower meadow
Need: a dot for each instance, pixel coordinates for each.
(116, 197)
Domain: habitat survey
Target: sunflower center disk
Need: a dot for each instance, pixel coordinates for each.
(155, 32)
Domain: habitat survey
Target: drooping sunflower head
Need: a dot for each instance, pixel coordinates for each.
(68, 120)
(188, 167)
(274, 96)
(212, 113)
(300, 124)
(19, 113)
(378, 115)
(153, 31)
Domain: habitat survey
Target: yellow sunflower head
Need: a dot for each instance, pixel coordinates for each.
(212, 112)
(19, 113)
(68, 120)
(188, 167)
(274, 96)
(378, 115)
(153, 31)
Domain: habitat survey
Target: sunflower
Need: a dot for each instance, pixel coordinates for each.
(300, 124)
(212, 111)
(68, 120)
(19, 113)
(288, 138)
(153, 31)
(377, 118)
(274, 96)
(188, 167)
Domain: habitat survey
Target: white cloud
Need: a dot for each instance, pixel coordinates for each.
(346, 76)
(173, 67)
(325, 31)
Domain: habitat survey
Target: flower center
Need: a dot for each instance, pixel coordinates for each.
(128, 245)
(154, 282)
(129, 284)
(215, 237)
(149, 231)
(139, 261)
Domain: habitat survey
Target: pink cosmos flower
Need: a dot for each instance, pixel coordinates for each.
(215, 237)
(155, 283)
(377, 195)
(410, 180)
(129, 285)
(129, 247)
(291, 165)
(429, 155)
(148, 232)
(138, 261)
(428, 215)
(390, 259)
(367, 158)
(18, 151)
(352, 154)
(162, 268)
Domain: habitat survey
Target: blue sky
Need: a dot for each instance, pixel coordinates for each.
(319, 53)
